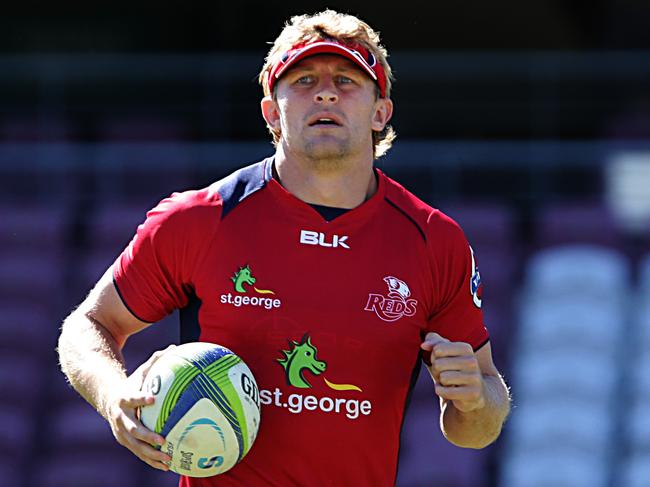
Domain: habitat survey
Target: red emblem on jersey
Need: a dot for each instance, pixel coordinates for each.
(396, 304)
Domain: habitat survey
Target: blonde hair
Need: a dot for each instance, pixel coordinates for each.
(347, 29)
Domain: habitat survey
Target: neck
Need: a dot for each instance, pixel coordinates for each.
(346, 186)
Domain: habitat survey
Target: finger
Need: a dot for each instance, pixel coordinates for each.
(452, 349)
(460, 364)
(147, 453)
(150, 456)
(456, 393)
(140, 432)
(131, 438)
(135, 400)
(431, 340)
(455, 378)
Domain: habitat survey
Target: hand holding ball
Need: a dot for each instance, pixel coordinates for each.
(206, 406)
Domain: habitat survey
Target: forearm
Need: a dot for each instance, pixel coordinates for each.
(91, 359)
(480, 427)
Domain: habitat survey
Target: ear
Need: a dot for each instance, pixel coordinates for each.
(270, 112)
(383, 113)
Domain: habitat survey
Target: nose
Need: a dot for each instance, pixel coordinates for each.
(326, 93)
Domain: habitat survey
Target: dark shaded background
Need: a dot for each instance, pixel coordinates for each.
(510, 116)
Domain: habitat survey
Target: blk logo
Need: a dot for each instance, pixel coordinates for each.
(308, 237)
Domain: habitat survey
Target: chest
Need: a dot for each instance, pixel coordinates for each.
(359, 297)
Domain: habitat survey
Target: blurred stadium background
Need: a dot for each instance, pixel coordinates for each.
(527, 122)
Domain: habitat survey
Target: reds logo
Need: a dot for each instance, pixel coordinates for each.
(396, 304)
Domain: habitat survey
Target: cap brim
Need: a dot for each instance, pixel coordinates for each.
(326, 48)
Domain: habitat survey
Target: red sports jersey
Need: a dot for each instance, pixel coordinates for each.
(329, 316)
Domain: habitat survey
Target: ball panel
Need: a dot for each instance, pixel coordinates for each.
(247, 393)
(223, 399)
(183, 377)
(201, 443)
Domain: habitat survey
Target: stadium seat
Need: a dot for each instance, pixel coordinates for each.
(152, 477)
(637, 424)
(138, 128)
(85, 469)
(577, 223)
(31, 276)
(86, 270)
(590, 326)
(593, 377)
(557, 468)
(41, 227)
(644, 276)
(21, 379)
(635, 471)
(578, 270)
(575, 424)
(27, 328)
(423, 394)
(37, 129)
(76, 427)
(641, 319)
(143, 173)
(113, 225)
(498, 268)
(486, 225)
(12, 474)
(18, 433)
(58, 391)
(427, 458)
(158, 336)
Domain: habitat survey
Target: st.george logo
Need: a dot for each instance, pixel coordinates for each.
(243, 281)
(396, 304)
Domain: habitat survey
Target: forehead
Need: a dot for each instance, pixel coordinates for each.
(326, 61)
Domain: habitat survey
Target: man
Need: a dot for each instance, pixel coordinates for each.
(335, 255)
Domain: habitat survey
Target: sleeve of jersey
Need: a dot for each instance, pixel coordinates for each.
(154, 274)
(457, 313)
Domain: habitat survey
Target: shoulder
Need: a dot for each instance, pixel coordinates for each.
(241, 184)
(213, 202)
(433, 224)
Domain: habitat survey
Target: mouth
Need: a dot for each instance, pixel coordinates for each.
(324, 121)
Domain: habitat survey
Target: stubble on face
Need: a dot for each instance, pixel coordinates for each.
(327, 156)
(327, 153)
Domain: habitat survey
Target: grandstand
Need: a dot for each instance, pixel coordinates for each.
(521, 147)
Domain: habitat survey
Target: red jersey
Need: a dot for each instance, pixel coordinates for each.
(329, 316)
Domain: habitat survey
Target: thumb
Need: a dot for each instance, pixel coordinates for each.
(431, 340)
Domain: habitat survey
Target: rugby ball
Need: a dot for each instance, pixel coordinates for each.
(206, 407)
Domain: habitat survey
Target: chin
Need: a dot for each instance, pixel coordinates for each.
(327, 150)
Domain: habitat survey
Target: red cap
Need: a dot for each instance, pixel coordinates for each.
(356, 53)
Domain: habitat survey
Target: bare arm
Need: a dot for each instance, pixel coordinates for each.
(90, 354)
(474, 399)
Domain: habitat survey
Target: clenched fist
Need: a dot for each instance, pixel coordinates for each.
(456, 372)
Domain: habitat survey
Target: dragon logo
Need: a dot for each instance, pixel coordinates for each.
(396, 304)
(301, 357)
(244, 276)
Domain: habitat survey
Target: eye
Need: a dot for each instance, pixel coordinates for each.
(303, 80)
(344, 80)
(308, 353)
